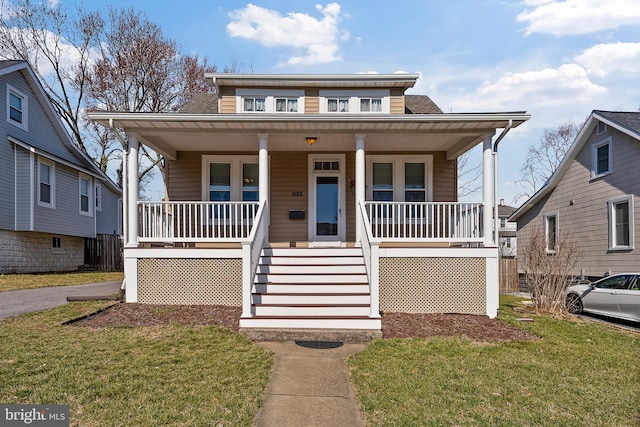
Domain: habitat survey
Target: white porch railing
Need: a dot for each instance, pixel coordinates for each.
(371, 254)
(251, 251)
(196, 221)
(419, 221)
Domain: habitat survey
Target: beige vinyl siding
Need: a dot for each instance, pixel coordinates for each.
(227, 101)
(581, 205)
(312, 101)
(288, 175)
(445, 188)
(184, 177)
(396, 101)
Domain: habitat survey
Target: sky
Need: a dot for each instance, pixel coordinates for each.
(557, 60)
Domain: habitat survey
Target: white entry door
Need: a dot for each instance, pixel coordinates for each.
(327, 199)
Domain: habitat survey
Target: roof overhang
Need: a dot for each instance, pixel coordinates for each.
(386, 81)
(169, 133)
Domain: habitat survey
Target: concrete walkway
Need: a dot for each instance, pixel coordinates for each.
(309, 387)
(15, 303)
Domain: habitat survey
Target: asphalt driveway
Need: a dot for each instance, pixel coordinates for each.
(15, 303)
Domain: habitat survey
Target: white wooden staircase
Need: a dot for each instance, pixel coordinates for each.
(303, 292)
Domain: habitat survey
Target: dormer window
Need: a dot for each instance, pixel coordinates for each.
(338, 105)
(371, 105)
(254, 104)
(286, 105)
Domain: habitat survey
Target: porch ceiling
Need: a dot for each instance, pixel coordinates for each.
(169, 133)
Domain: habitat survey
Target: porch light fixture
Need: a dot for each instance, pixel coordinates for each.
(311, 140)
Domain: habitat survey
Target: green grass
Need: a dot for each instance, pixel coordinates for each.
(13, 282)
(579, 373)
(116, 376)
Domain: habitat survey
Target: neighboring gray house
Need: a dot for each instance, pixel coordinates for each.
(591, 196)
(507, 241)
(53, 196)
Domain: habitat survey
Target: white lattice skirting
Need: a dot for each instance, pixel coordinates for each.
(190, 281)
(433, 285)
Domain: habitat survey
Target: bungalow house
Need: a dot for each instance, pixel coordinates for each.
(54, 197)
(312, 201)
(590, 197)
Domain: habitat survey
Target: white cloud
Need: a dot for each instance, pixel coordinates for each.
(318, 37)
(608, 58)
(578, 16)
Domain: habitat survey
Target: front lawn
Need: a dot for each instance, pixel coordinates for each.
(579, 373)
(14, 282)
(117, 376)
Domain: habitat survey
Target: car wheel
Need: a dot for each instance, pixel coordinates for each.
(574, 304)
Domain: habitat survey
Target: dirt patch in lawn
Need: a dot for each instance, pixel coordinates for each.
(394, 325)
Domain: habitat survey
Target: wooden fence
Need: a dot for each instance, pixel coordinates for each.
(509, 280)
(104, 253)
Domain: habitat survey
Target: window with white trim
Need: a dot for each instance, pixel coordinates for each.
(551, 233)
(230, 178)
(601, 128)
(56, 244)
(399, 178)
(251, 104)
(355, 101)
(85, 195)
(370, 105)
(338, 105)
(621, 223)
(17, 108)
(269, 101)
(286, 105)
(601, 158)
(46, 183)
(98, 197)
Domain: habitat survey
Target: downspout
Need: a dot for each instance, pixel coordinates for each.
(125, 204)
(496, 220)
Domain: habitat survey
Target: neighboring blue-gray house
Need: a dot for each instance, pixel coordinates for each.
(53, 196)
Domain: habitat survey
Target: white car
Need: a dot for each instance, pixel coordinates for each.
(614, 296)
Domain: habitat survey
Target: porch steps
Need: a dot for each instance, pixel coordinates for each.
(300, 290)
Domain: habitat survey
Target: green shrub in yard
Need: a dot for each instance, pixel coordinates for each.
(116, 376)
(579, 373)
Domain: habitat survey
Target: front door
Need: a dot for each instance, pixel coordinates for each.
(327, 200)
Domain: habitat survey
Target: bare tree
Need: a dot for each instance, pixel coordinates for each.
(469, 175)
(547, 267)
(543, 159)
(58, 48)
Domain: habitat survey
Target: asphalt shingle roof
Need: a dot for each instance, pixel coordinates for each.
(420, 104)
(630, 120)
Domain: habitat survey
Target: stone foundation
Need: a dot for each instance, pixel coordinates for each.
(31, 252)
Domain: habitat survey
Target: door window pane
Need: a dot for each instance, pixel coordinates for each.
(327, 206)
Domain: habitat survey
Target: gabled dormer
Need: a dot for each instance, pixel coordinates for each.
(338, 94)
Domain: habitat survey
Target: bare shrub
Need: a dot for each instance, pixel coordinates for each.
(547, 268)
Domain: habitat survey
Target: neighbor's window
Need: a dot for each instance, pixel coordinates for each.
(98, 194)
(254, 104)
(56, 244)
(551, 232)
(621, 223)
(85, 195)
(46, 184)
(503, 222)
(601, 154)
(17, 107)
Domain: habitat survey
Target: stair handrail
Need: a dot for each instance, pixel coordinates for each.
(371, 254)
(251, 250)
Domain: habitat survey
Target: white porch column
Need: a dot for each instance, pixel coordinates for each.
(131, 181)
(487, 199)
(360, 177)
(263, 178)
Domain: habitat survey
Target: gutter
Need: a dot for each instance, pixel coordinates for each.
(496, 219)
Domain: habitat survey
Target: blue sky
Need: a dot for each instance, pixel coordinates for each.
(558, 60)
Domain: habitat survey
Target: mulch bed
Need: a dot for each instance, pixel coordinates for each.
(394, 325)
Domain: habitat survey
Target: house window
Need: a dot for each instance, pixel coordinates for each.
(46, 184)
(601, 154)
(503, 222)
(98, 196)
(231, 178)
(85, 195)
(286, 105)
(56, 244)
(326, 166)
(399, 179)
(373, 105)
(338, 105)
(602, 128)
(254, 104)
(621, 223)
(508, 242)
(551, 233)
(17, 111)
